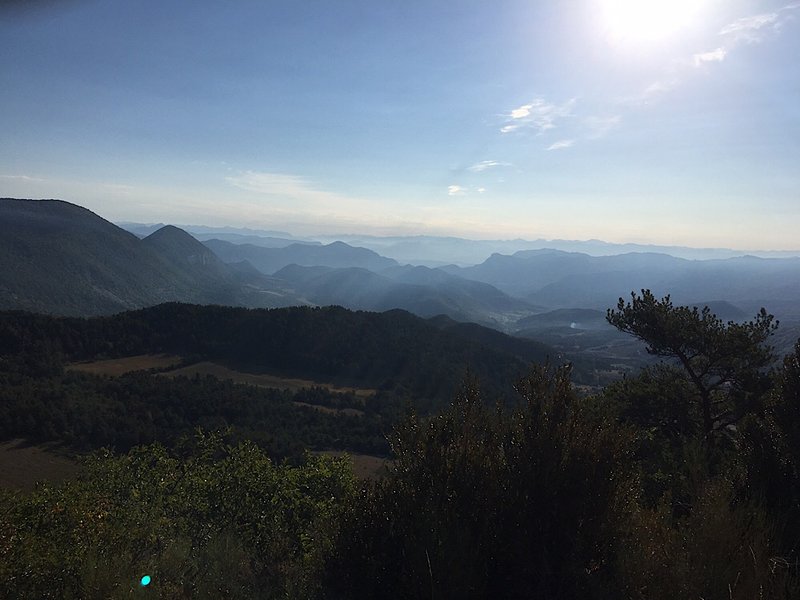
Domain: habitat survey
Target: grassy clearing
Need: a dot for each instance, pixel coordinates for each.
(23, 465)
(365, 466)
(351, 412)
(119, 366)
(269, 381)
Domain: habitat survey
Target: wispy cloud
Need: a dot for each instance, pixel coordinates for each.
(20, 178)
(539, 115)
(521, 112)
(754, 28)
(600, 126)
(292, 198)
(652, 90)
(120, 187)
(561, 144)
(748, 28)
(660, 86)
(456, 190)
(290, 187)
(717, 55)
(751, 29)
(487, 164)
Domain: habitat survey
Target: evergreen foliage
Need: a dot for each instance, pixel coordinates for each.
(550, 495)
(724, 361)
(213, 521)
(487, 503)
(88, 412)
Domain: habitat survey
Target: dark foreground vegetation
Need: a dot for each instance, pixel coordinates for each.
(681, 482)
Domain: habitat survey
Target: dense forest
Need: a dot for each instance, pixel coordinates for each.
(393, 350)
(88, 412)
(682, 481)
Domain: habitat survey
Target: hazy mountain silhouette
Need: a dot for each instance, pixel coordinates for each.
(255, 240)
(438, 250)
(60, 258)
(558, 279)
(424, 292)
(270, 260)
(56, 257)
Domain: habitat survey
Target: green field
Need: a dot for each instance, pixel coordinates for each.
(142, 362)
(268, 381)
(365, 466)
(119, 366)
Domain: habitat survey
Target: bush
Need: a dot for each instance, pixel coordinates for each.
(492, 503)
(219, 522)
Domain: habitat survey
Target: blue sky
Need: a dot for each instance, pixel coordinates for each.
(675, 123)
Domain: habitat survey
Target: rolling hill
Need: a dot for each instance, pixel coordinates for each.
(556, 279)
(59, 258)
(392, 350)
(270, 260)
(422, 291)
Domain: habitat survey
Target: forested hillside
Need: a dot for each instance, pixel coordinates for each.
(500, 480)
(384, 350)
(404, 360)
(59, 258)
(682, 481)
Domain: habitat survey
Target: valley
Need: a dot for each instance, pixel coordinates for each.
(333, 365)
(416, 300)
(551, 296)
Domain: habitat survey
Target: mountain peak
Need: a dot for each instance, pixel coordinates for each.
(179, 246)
(170, 232)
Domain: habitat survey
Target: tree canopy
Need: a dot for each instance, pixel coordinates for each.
(724, 361)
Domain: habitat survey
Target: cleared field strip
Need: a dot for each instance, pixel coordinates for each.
(351, 412)
(365, 466)
(119, 366)
(269, 381)
(22, 466)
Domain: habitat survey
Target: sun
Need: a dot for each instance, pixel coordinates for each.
(644, 21)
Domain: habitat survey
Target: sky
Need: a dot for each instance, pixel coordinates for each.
(664, 122)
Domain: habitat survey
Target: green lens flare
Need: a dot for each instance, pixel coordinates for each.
(145, 580)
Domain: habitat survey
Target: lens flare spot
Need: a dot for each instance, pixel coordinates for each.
(647, 20)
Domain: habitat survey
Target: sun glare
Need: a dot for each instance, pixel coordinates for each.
(643, 21)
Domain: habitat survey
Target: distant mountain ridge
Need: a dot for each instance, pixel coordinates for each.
(422, 291)
(436, 251)
(60, 258)
(439, 251)
(270, 260)
(557, 279)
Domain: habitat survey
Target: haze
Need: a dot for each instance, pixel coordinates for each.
(576, 120)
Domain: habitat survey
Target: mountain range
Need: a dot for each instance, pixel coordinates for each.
(557, 279)
(440, 250)
(62, 259)
(59, 258)
(421, 290)
(269, 260)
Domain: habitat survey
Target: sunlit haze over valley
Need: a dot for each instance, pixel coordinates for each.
(654, 122)
(400, 299)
